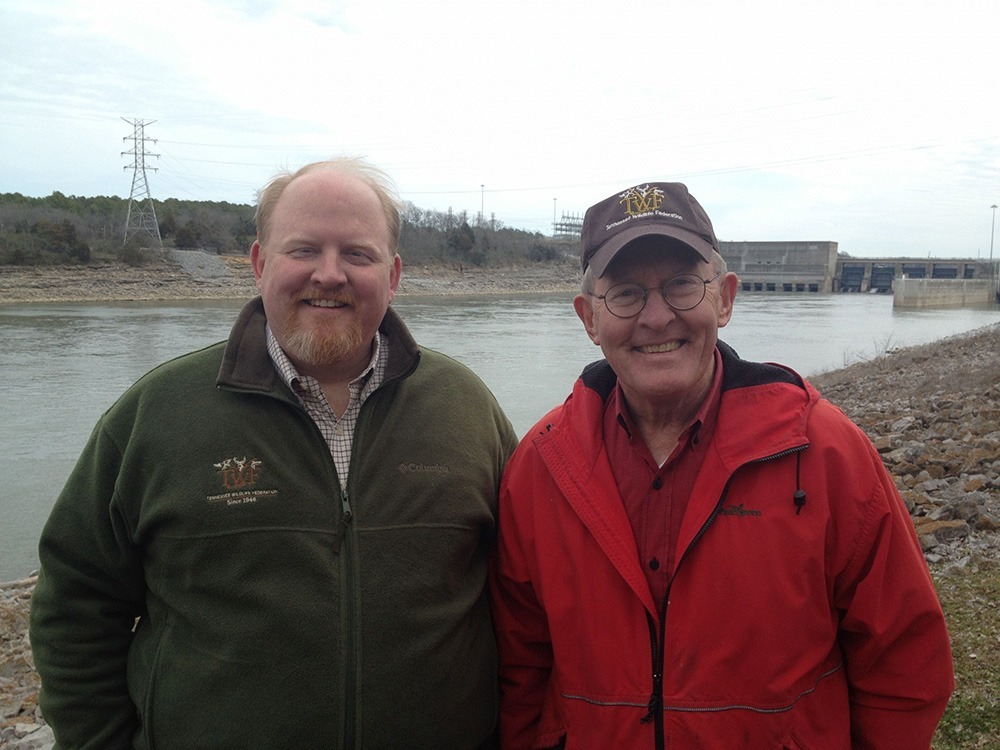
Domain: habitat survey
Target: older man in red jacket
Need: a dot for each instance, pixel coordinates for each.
(698, 551)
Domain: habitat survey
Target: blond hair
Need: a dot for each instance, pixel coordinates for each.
(373, 177)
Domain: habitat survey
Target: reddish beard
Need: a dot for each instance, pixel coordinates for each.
(322, 346)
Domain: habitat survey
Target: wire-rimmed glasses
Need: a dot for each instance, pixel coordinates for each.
(682, 292)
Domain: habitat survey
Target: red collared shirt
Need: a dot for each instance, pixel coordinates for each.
(656, 497)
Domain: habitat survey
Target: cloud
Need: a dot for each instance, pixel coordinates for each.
(856, 122)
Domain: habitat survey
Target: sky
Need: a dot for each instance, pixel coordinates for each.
(871, 123)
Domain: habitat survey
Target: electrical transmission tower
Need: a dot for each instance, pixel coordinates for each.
(141, 213)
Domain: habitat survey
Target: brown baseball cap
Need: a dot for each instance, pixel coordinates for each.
(654, 208)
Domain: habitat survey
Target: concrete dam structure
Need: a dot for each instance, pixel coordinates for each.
(782, 266)
(943, 292)
(878, 274)
(817, 267)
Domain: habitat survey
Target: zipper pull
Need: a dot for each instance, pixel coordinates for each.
(651, 714)
(655, 700)
(347, 516)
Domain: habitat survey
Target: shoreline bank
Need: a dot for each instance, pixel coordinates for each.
(164, 280)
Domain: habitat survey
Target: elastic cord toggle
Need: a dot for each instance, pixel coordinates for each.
(799, 498)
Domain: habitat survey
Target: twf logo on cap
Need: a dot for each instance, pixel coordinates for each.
(663, 209)
(640, 200)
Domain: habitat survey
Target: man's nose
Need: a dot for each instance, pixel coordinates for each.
(329, 268)
(656, 310)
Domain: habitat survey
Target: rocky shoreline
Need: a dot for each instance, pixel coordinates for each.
(933, 412)
(187, 276)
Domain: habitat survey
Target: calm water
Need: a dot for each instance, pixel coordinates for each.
(61, 366)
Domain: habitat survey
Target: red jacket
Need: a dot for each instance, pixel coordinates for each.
(789, 623)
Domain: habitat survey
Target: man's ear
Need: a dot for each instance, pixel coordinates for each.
(257, 260)
(585, 311)
(730, 284)
(395, 272)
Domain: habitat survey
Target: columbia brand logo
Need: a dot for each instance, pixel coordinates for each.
(739, 510)
(405, 468)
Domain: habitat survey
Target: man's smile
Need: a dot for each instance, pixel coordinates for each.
(325, 303)
(670, 346)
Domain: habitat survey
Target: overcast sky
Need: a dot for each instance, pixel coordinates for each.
(870, 123)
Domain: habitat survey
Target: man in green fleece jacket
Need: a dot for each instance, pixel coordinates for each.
(282, 540)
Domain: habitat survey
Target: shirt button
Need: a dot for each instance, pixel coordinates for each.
(657, 483)
(654, 564)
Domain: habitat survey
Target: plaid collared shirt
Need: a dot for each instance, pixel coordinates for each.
(337, 431)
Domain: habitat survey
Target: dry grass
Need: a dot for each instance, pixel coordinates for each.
(972, 606)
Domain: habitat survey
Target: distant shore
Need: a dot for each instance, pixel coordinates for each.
(163, 280)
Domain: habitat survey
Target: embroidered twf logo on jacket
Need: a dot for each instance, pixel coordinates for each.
(239, 473)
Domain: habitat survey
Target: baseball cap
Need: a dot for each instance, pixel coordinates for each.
(654, 208)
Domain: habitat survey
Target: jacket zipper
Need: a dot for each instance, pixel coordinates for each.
(348, 594)
(657, 635)
(350, 647)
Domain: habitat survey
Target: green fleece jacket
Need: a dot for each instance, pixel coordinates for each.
(273, 609)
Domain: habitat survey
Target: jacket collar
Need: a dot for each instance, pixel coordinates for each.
(764, 411)
(736, 373)
(246, 364)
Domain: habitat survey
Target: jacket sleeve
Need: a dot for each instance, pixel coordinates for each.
(523, 641)
(84, 608)
(892, 628)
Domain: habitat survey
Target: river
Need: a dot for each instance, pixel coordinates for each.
(62, 365)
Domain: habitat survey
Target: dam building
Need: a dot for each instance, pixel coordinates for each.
(818, 268)
(782, 266)
(877, 274)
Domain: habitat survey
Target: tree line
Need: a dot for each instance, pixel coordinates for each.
(61, 229)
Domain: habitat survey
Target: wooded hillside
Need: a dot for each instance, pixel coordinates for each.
(62, 229)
